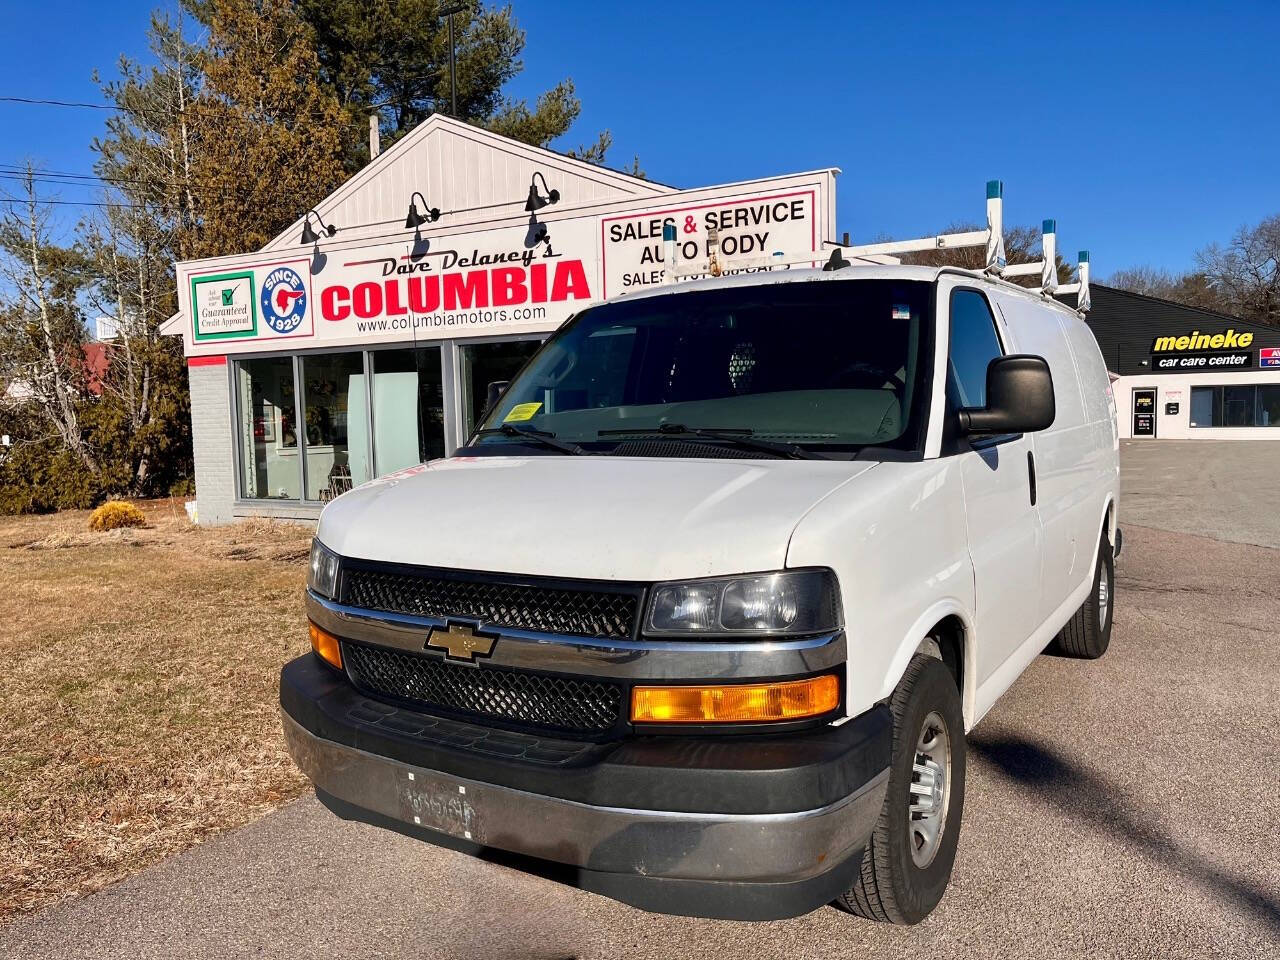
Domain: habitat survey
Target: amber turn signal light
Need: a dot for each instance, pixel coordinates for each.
(736, 703)
(326, 645)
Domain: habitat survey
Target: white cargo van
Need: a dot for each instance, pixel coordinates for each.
(700, 617)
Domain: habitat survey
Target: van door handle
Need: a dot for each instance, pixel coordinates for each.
(1031, 475)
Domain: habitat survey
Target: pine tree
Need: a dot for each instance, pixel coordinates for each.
(391, 58)
(270, 134)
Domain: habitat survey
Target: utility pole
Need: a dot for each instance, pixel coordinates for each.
(453, 62)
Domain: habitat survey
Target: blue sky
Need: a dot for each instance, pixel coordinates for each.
(1147, 130)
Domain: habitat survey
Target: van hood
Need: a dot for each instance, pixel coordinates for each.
(591, 517)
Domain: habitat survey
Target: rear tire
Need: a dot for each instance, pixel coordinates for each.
(1088, 634)
(907, 864)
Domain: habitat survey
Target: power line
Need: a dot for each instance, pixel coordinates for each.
(74, 203)
(87, 181)
(58, 103)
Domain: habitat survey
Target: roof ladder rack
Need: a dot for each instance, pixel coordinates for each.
(840, 255)
(1081, 287)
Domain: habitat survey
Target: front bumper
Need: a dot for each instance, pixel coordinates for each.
(737, 827)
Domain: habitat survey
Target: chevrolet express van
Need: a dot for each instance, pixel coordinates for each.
(701, 615)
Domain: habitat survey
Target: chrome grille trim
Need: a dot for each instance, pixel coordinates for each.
(621, 659)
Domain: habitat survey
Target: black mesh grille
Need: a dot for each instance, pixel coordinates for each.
(563, 703)
(546, 609)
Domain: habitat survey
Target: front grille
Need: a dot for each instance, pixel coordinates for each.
(563, 703)
(572, 610)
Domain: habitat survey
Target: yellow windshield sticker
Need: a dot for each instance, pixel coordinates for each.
(522, 411)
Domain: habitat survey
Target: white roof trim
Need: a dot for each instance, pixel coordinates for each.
(548, 158)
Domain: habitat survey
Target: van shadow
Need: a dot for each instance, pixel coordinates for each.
(1090, 798)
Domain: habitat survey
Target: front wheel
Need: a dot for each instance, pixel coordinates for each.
(907, 863)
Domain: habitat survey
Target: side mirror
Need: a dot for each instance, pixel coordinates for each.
(1019, 398)
(494, 393)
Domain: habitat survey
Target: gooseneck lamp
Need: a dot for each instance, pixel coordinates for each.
(536, 200)
(415, 219)
(308, 234)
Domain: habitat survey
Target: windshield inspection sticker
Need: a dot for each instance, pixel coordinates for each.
(901, 311)
(522, 411)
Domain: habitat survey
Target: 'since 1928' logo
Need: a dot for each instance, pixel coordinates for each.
(284, 300)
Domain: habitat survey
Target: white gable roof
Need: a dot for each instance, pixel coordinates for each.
(458, 167)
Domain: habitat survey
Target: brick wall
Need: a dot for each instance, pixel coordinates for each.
(211, 442)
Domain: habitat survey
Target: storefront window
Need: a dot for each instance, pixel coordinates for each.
(1236, 406)
(408, 408)
(335, 434)
(1268, 407)
(482, 364)
(268, 430)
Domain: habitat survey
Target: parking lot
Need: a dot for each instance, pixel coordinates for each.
(1124, 807)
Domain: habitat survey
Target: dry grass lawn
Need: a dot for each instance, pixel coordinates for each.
(138, 709)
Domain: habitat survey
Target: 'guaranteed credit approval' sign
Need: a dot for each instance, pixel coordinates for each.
(223, 306)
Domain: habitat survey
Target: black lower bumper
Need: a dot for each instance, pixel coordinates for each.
(742, 827)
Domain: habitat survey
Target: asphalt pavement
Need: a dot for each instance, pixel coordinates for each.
(1225, 489)
(1121, 808)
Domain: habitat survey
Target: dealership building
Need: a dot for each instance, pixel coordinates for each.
(1180, 373)
(362, 339)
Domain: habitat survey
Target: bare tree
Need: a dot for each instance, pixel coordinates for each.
(1147, 280)
(1246, 273)
(149, 218)
(42, 357)
(1192, 289)
(1021, 245)
(132, 287)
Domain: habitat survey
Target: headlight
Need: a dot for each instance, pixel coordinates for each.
(789, 602)
(323, 578)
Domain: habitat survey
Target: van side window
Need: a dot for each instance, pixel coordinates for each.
(974, 345)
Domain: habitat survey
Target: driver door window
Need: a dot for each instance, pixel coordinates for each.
(974, 344)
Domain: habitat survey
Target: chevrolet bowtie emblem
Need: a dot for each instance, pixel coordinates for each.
(460, 642)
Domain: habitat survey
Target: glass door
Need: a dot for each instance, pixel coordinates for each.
(1144, 413)
(408, 408)
(484, 363)
(334, 428)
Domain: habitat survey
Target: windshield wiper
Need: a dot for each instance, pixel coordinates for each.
(740, 437)
(544, 437)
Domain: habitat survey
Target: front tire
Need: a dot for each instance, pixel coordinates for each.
(1087, 634)
(907, 864)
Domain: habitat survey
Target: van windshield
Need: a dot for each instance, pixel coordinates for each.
(830, 366)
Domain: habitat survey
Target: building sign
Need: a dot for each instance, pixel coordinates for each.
(264, 302)
(222, 306)
(513, 276)
(747, 229)
(1214, 352)
(466, 285)
(1269, 357)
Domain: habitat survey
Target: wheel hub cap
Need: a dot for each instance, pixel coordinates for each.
(1104, 596)
(927, 797)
